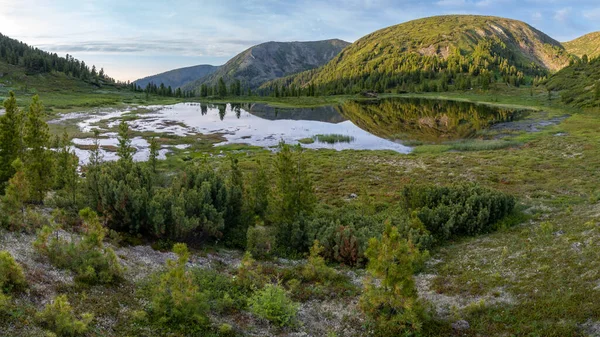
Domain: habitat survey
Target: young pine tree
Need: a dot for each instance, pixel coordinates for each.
(153, 159)
(392, 306)
(11, 138)
(39, 162)
(67, 178)
(17, 193)
(125, 151)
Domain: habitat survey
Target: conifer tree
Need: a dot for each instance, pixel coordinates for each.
(153, 158)
(222, 88)
(392, 305)
(39, 161)
(67, 177)
(125, 151)
(17, 194)
(11, 138)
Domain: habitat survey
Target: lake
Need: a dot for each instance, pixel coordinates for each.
(388, 124)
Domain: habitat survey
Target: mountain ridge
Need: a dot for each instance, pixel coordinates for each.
(270, 60)
(178, 77)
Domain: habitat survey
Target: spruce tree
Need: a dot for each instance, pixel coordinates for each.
(17, 194)
(222, 88)
(67, 177)
(125, 151)
(153, 158)
(39, 161)
(11, 138)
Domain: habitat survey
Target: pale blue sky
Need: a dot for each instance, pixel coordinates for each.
(132, 39)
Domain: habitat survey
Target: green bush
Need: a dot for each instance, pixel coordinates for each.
(315, 269)
(87, 257)
(59, 318)
(11, 274)
(260, 241)
(220, 291)
(345, 232)
(272, 303)
(458, 210)
(249, 274)
(176, 302)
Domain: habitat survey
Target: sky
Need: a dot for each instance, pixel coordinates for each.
(131, 39)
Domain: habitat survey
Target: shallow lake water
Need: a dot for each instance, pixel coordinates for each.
(379, 125)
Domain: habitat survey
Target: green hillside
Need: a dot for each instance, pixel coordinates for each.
(588, 44)
(578, 84)
(272, 60)
(438, 54)
(63, 82)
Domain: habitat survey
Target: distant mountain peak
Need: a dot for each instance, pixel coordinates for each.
(270, 60)
(178, 77)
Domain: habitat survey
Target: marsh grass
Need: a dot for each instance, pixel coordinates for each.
(333, 138)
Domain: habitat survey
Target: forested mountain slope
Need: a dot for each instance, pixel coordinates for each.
(433, 53)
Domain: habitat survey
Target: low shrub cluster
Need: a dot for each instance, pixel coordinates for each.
(273, 303)
(458, 210)
(58, 317)
(345, 232)
(87, 257)
(11, 274)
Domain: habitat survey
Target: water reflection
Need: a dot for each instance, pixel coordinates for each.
(425, 119)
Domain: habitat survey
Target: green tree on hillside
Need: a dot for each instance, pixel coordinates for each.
(39, 160)
(11, 138)
(15, 197)
(222, 88)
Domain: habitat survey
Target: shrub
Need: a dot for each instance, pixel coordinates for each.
(345, 232)
(176, 301)
(58, 317)
(249, 275)
(392, 306)
(457, 210)
(272, 303)
(220, 291)
(260, 241)
(11, 274)
(315, 269)
(87, 257)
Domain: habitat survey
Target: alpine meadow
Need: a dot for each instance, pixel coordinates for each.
(178, 173)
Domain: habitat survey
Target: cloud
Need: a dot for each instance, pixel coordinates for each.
(118, 34)
(563, 14)
(451, 3)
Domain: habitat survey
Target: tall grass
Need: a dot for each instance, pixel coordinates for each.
(333, 138)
